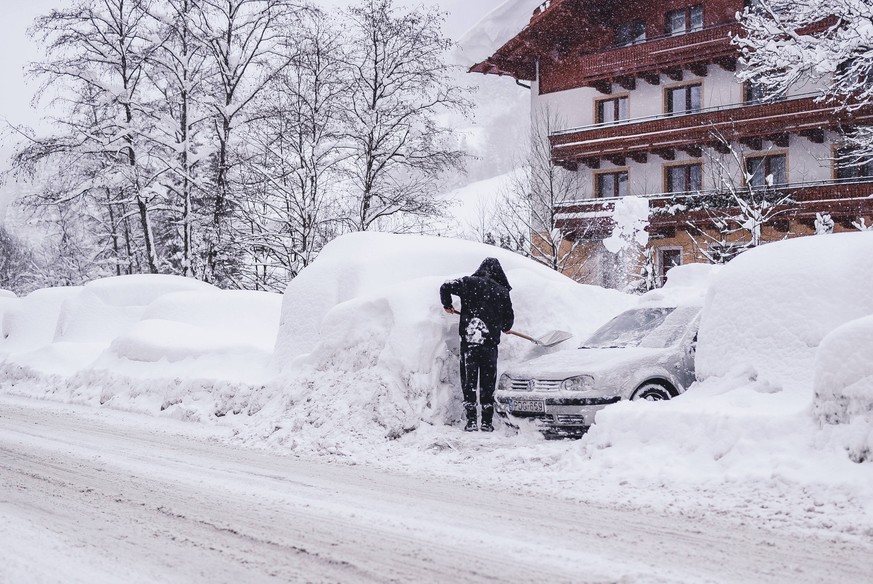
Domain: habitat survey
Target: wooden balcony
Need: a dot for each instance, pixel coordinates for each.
(663, 135)
(845, 201)
(668, 55)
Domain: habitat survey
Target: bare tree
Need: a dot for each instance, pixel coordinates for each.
(96, 52)
(400, 85)
(532, 208)
(738, 210)
(294, 171)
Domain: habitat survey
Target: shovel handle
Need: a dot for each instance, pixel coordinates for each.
(524, 336)
(510, 332)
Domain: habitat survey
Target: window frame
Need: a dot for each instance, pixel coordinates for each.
(837, 152)
(616, 109)
(615, 172)
(668, 98)
(636, 33)
(688, 14)
(766, 157)
(682, 164)
(659, 260)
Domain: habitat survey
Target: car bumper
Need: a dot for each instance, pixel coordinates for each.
(567, 413)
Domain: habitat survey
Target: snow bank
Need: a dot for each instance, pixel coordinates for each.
(33, 322)
(844, 385)
(367, 349)
(770, 308)
(774, 319)
(686, 285)
(106, 307)
(144, 326)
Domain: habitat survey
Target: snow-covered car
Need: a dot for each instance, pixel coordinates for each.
(643, 353)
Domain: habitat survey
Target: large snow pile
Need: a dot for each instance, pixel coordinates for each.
(774, 319)
(367, 350)
(136, 327)
(844, 385)
(770, 309)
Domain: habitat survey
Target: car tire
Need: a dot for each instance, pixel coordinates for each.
(652, 391)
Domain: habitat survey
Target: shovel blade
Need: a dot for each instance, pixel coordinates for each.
(552, 338)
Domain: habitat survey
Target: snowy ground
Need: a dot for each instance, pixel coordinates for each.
(106, 496)
(356, 366)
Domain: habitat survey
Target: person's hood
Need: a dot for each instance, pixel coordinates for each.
(491, 268)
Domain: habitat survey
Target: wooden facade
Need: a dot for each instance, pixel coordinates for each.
(579, 53)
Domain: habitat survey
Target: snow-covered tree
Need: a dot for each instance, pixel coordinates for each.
(293, 169)
(247, 41)
(824, 224)
(789, 42)
(627, 245)
(96, 51)
(400, 85)
(179, 71)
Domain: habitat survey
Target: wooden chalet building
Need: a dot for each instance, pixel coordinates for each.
(649, 105)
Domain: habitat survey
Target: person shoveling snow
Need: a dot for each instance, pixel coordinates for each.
(486, 310)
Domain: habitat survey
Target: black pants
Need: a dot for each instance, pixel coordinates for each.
(478, 364)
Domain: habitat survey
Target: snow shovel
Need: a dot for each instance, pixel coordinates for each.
(550, 339)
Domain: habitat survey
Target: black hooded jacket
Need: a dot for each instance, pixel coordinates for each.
(486, 308)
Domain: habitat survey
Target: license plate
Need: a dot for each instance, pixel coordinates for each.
(527, 405)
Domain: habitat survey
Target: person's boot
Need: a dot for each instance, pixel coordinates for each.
(470, 410)
(487, 416)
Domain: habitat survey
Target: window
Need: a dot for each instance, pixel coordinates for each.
(611, 184)
(688, 19)
(848, 165)
(766, 171)
(668, 257)
(685, 178)
(630, 33)
(612, 110)
(684, 100)
(756, 93)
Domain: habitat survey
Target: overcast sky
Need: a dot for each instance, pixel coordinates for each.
(17, 49)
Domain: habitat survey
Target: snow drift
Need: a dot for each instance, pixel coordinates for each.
(776, 320)
(771, 308)
(366, 348)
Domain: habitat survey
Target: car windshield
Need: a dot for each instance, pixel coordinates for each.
(655, 328)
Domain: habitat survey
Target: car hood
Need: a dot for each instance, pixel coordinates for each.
(595, 362)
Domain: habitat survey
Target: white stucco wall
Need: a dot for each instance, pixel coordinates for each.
(575, 108)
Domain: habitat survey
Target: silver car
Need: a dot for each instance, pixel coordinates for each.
(643, 353)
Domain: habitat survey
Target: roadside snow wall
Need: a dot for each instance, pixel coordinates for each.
(366, 348)
(777, 320)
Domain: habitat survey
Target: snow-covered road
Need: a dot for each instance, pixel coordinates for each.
(90, 495)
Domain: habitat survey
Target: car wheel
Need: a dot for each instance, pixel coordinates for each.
(652, 391)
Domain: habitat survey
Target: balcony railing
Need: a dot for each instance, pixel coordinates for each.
(652, 55)
(664, 116)
(846, 198)
(731, 122)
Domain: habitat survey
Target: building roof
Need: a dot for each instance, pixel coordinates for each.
(556, 26)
